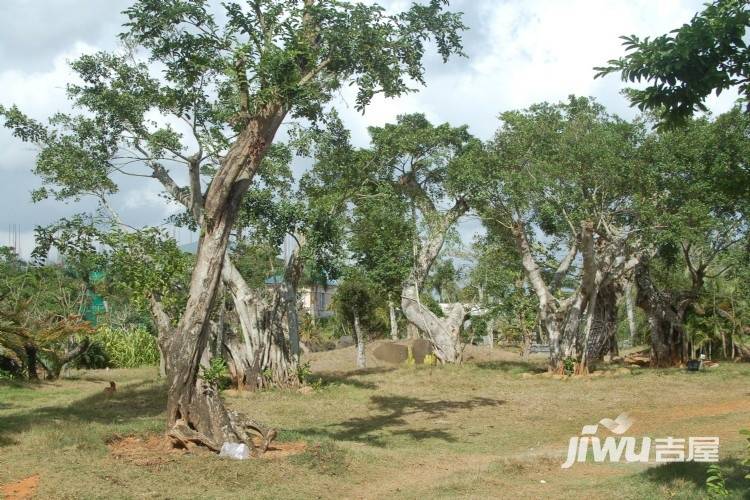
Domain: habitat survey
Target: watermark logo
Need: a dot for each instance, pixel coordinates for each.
(617, 449)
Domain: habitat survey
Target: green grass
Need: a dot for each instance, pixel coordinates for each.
(478, 430)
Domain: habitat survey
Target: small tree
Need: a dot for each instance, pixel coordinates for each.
(40, 316)
(356, 301)
(426, 172)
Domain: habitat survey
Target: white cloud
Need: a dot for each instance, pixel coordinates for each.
(148, 198)
(38, 94)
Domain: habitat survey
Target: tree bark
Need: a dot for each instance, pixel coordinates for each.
(443, 333)
(163, 325)
(491, 332)
(361, 357)
(630, 311)
(605, 342)
(31, 361)
(665, 323)
(268, 324)
(561, 318)
(392, 318)
(554, 316)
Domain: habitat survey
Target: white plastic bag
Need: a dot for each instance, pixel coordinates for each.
(237, 451)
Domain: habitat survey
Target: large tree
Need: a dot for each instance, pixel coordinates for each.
(693, 212)
(432, 170)
(231, 79)
(560, 186)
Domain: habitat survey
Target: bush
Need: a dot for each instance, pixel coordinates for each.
(94, 357)
(128, 347)
(216, 374)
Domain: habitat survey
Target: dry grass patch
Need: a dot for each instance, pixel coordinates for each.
(478, 430)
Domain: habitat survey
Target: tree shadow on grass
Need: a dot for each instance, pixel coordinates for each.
(131, 402)
(697, 472)
(512, 366)
(347, 378)
(391, 416)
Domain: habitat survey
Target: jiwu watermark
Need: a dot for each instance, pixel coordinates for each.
(619, 448)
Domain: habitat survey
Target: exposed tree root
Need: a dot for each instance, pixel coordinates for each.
(184, 436)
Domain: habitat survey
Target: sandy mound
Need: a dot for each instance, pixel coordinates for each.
(283, 450)
(149, 452)
(21, 490)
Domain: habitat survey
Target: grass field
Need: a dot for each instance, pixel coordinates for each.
(483, 429)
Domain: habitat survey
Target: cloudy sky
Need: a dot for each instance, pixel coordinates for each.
(519, 52)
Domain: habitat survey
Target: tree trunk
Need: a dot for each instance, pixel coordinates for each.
(555, 362)
(31, 361)
(602, 338)
(491, 332)
(162, 363)
(412, 332)
(53, 371)
(195, 412)
(665, 322)
(392, 318)
(443, 332)
(267, 322)
(630, 311)
(361, 357)
(526, 333)
(163, 326)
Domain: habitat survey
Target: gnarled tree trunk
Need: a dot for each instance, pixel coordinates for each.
(665, 321)
(603, 339)
(269, 327)
(443, 332)
(195, 412)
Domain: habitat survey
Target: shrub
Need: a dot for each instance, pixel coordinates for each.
(93, 358)
(216, 373)
(128, 347)
(715, 484)
(746, 461)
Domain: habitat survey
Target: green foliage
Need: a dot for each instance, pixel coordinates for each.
(569, 365)
(381, 237)
(40, 311)
(430, 303)
(128, 348)
(715, 484)
(685, 66)
(746, 461)
(356, 296)
(216, 373)
(271, 52)
(304, 373)
(557, 165)
(95, 357)
(137, 264)
(444, 280)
